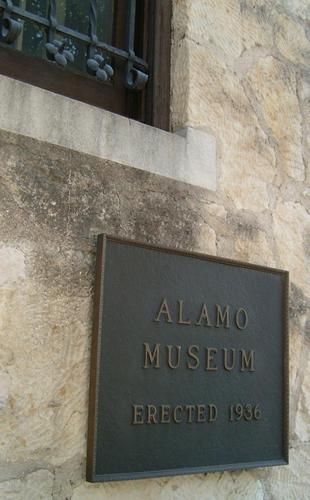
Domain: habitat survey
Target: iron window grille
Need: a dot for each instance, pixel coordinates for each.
(98, 54)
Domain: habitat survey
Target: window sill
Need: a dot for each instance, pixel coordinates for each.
(187, 156)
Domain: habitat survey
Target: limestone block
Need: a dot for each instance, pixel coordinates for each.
(68, 476)
(291, 482)
(235, 486)
(295, 361)
(239, 187)
(217, 210)
(304, 96)
(299, 8)
(4, 389)
(180, 83)
(290, 221)
(97, 132)
(207, 30)
(35, 486)
(244, 150)
(303, 412)
(291, 40)
(12, 265)
(254, 248)
(247, 27)
(180, 19)
(206, 104)
(207, 240)
(49, 373)
(274, 86)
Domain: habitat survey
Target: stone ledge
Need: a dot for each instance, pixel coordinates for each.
(188, 156)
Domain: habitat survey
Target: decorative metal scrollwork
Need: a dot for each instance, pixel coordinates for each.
(99, 54)
(134, 78)
(10, 29)
(56, 51)
(97, 66)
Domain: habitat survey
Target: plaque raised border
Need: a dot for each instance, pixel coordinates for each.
(95, 366)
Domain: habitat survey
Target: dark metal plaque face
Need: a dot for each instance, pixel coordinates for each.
(189, 369)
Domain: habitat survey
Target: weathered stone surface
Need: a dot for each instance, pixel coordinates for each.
(291, 221)
(187, 157)
(35, 486)
(274, 86)
(254, 247)
(242, 142)
(299, 8)
(180, 89)
(240, 72)
(247, 27)
(68, 476)
(303, 411)
(4, 389)
(293, 481)
(12, 265)
(291, 40)
(304, 97)
(237, 486)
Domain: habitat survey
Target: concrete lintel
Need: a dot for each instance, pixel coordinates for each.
(188, 157)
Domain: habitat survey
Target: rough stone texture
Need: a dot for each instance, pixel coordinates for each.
(188, 156)
(37, 485)
(241, 72)
(274, 87)
(218, 486)
(249, 84)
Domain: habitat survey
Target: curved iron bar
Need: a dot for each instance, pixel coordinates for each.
(92, 28)
(133, 77)
(56, 50)
(135, 67)
(96, 64)
(10, 29)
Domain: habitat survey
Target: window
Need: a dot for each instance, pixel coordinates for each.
(114, 54)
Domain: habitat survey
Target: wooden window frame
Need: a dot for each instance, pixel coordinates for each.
(153, 41)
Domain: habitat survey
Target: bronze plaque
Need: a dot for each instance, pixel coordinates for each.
(189, 367)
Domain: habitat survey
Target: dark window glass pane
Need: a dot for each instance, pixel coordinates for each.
(32, 40)
(105, 20)
(39, 7)
(73, 14)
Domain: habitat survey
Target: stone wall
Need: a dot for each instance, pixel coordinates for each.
(240, 72)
